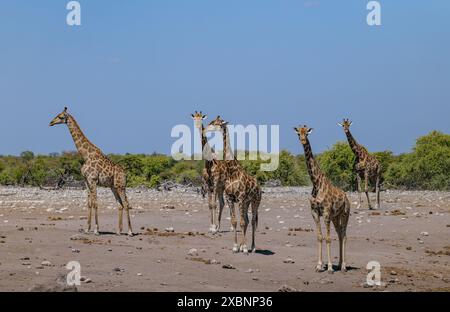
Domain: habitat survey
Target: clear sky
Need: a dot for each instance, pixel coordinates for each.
(136, 68)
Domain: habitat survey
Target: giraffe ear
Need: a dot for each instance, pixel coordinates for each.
(65, 109)
(310, 130)
(351, 123)
(192, 115)
(204, 116)
(339, 124)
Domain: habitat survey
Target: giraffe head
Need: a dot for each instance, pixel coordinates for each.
(346, 123)
(198, 118)
(60, 118)
(303, 133)
(217, 124)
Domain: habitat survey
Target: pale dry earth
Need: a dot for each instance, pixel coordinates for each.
(39, 235)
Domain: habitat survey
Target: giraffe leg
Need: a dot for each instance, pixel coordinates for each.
(244, 225)
(316, 217)
(234, 224)
(366, 188)
(377, 191)
(221, 205)
(337, 226)
(211, 199)
(232, 212)
(328, 242)
(119, 200)
(358, 180)
(96, 228)
(343, 265)
(123, 196)
(341, 257)
(255, 206)
(92, 205)
(89, 220)
(343, 230)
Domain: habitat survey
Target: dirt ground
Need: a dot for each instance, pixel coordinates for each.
(40, 234)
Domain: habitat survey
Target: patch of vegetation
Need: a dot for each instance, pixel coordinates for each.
(426, 167)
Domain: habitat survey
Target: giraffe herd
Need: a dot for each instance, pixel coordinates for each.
(226, 181)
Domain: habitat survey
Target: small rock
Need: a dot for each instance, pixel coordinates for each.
(228, 267)
(170, 230)
(46, 263)
(193, 252)
(424, 233)
(393, 273)
(288, 260)
(437, 275)
(287, 288)
(325, 281)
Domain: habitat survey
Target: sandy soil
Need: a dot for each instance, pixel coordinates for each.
(39, 235)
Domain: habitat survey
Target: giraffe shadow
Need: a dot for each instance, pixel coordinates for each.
(349, 268)
(106, 233)
(264, 252)
(102, 233)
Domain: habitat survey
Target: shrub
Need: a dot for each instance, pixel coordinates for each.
(427, 167)
(337, 164)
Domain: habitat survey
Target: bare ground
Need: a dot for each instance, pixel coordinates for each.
(39, 235)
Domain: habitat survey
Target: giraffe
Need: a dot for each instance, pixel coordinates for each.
(240, 188)
(367, 167)
(212, 185)
(327, 201)
(97, 170)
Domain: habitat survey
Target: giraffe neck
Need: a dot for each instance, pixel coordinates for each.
(227, 152)
(203, 137)
(313, 168)
(353, 144)
(81, 141)
(205, 146)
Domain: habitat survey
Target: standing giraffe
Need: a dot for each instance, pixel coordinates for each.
(240, 188)
(367, 167)
(328, 201)
(212, 185)
(97, 170)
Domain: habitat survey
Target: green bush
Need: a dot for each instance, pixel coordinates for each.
(290, 172)
(338, 165)
(427, 167)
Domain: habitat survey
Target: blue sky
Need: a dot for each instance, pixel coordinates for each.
(136, 68)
